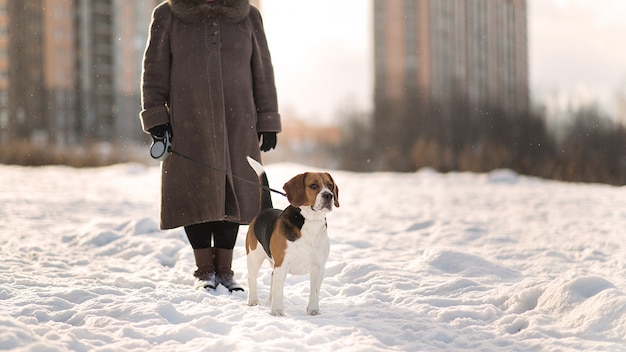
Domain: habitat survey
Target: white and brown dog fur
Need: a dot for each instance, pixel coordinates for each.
(294, 240)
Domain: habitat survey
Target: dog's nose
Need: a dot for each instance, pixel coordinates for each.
(327, 196)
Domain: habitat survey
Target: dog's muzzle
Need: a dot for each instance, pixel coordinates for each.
(327, 200)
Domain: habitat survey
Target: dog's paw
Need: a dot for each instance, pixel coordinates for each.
(253, 303)
(277, 312)
(313, 312)
(313, 308)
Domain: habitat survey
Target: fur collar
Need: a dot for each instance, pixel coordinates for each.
(232, 11)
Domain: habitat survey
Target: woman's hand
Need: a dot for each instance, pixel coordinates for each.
(268, 141)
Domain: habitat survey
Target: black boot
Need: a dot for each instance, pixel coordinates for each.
(223, 263)
(205, 275)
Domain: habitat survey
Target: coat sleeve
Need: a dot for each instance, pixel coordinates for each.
(155, 81)
(268, 118)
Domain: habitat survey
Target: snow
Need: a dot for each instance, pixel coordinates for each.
(419, 262)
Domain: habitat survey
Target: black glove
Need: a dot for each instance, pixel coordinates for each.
(269, 140)
(159, 131)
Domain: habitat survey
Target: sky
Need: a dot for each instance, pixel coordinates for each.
(577, 50)
(322, 57)
(322, 53)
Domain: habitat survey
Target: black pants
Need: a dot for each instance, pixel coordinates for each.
(218, 234)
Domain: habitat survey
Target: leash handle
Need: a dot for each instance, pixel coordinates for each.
(228, 173)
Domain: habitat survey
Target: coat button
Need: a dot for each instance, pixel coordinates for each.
(216, 32)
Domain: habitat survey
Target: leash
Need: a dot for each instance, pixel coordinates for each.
(264, 187)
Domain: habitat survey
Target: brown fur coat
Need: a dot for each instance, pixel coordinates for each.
(208, 73)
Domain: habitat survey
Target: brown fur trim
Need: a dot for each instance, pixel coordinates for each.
(232, 11)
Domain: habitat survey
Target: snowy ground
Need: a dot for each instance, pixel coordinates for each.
(419, 262)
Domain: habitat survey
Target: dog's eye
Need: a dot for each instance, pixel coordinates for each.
(313, 186)
(330, 186)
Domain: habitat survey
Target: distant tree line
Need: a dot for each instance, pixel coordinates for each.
(457, 137)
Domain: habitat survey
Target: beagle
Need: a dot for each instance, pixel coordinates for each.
(294, 240)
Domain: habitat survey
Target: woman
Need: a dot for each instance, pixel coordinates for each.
(208, 79)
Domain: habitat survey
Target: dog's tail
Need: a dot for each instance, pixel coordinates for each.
(266, 197)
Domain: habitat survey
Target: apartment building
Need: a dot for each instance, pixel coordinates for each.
(70, 69)
(4, 70)
(473, 51)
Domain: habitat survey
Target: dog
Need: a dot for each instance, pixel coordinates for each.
(294, 240)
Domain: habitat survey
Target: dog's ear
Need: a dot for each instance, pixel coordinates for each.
(335, 190)
(295, 189)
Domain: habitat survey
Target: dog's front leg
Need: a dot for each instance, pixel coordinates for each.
(317, 275)
(254, 260)
(276, 291)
